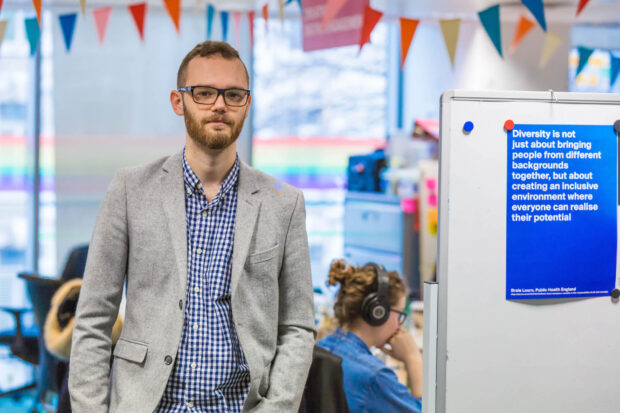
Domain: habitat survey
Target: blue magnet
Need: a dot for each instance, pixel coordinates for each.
(468, 126)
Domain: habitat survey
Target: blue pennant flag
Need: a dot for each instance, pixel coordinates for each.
(67, 23)
(210, 14)
(224, 19)
(32, 30)
(615, 69)
(537, 9)
(584, 55)
(490, 21)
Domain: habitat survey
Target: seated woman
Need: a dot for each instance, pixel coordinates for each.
(369, 309)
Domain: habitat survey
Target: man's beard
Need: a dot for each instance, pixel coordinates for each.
(211, 139)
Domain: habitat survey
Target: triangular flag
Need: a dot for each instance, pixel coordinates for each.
(615, 69)
(83, 7)
(67, 23)
(210, 14)
(371, 18)
(523, 28)
(450, 31)
(584, 55)
(537, 9)
(33, 33)
(138, 11)
(331, 10)
(281, 10)
(490, 21)
(407, 31)
(3, 24)
(552, 42)
(0, 5)
(237, 22)
(582, 4)
(174, 10)
(251, 17)
(224, 20)
(37, 8)
(102, 16)
(266, 15)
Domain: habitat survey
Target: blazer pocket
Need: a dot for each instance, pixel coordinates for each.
(130, 350)
(263, 255)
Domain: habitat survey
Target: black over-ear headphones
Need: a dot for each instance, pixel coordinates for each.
(375, 307)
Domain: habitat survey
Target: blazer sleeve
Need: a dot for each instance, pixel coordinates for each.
(296, 332)
(98, 305)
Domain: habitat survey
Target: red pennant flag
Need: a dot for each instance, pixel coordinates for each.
(138, 11)
(37, 8)
(371, 18)
(407, 31)
(523, 27)
(331, 10)
(0, 5)
(101, 15)
(582, 4)
(174, 10)
(237, 20)
(251, 16)
(266, 15)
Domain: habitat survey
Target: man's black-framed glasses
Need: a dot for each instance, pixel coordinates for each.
(207, 95)
(401, 316)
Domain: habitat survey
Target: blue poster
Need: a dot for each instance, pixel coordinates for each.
(562, 206)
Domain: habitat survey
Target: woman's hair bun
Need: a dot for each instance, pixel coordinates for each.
(339, 271)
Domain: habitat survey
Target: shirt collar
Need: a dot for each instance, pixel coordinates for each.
(193, 185)
(353, 339)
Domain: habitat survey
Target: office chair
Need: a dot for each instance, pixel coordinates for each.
(324, 391)
(31, 347)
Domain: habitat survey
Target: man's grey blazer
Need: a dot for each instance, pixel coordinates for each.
(140, 238)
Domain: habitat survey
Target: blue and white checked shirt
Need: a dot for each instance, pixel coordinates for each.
(210, 373)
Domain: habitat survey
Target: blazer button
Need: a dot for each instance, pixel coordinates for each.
(168, 360)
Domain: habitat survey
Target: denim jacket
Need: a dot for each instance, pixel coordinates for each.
(370, 386)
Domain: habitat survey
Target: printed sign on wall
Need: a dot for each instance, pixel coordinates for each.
(561, 231)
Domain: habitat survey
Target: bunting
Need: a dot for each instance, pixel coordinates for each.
(537, 9)
(581, 6)
(281, 10)
(33, 33)
(37, 8)
(251, 17)
(237, 22)
(224, 21)
(67, 24)
(584, 55)
(450, 31)
(266, 16)
(0, 5)
(138, 12)
(210, 14)
(371, 18)
(101, 16)
(83, 7)
(523, 27)
(331, 10)
(174, 10)
(490, 21)
(407, 31)
(552, 42)
(3, 24)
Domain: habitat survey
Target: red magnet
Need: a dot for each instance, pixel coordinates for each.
(509, 125)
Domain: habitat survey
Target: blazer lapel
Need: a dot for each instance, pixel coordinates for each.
(245, 220)
(173, 201)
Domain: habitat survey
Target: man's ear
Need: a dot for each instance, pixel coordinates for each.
(176, 100)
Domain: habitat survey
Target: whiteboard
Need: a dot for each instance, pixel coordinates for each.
(511, 356)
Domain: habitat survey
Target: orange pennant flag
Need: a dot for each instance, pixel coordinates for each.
(138, 12)
(523, 28)
(251, 16)
(371, 18)
(266, 15)
(37, 7)
(102, 16)
(407, 31)
(331, 10)
(174, 10)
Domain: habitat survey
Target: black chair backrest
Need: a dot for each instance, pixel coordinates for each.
(76, 263)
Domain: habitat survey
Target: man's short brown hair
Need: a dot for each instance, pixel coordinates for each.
(207, 49)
